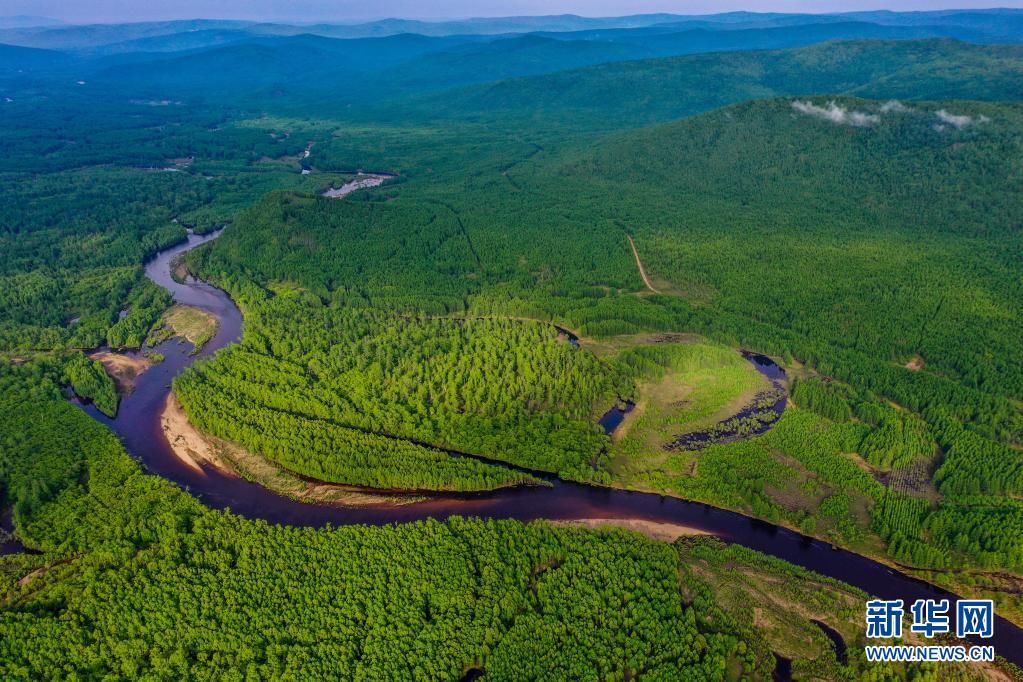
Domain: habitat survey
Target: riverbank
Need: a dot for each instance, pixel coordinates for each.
(665, 532)
(939, 579)
(124, 368)
(197, 451)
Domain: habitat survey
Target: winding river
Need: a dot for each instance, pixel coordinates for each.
(138, 424)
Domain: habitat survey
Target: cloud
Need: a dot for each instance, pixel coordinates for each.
(893, 105)
(837, 114)
(958, 122)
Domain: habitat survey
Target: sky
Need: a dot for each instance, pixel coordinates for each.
(100, 11)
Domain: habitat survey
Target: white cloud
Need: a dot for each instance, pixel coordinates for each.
(953, 120)
(893, 105)
(837, 114)
(959, 122)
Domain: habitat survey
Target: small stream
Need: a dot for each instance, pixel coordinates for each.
(837, 641)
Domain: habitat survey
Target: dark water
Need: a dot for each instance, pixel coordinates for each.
(614, 417)
(572, 338)
(10, 544)
(765, 365)
(782, 669)
(837, 641)
(138, 425)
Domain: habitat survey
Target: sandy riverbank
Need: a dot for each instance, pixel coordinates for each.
(188, 444)
(666, 532)
(197, 450)
(124, 369)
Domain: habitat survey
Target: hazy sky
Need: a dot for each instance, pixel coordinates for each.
(85, 11)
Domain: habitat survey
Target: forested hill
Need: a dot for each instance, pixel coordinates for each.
(887, 227)
(404, 64)
(14, 58)
(311, 73)
(870, 246)
(648, 91)
(877, 242)
(993, 25)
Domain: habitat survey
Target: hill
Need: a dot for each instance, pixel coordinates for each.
(70, 37)
(306, 59)
(794, 178)
(171, 42)
(16, 60)
(299, 69)
(77, 37)
(999, 25)
(312, 68)
(876, 247)
(27, 21)
(647, 91)
(594, 81)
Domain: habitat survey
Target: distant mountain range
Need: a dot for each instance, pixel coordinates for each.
(632, 68)
(27, 21)
(989, 25)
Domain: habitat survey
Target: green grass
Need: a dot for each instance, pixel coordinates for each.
(693, 386)
(794, 474)
(188, 322)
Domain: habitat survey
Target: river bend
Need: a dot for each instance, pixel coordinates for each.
(138, 425)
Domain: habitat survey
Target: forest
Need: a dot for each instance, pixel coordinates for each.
(505, 389)
(749, 275)
(503, 581)
(849, 209)
(123, 556)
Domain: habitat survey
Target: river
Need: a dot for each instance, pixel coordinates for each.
(138, 425)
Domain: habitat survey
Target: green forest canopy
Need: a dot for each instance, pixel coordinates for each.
(846, 236)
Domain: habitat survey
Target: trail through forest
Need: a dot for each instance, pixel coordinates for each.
(639, 264)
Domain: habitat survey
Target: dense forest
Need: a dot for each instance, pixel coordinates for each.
(910, 264)
(124, 556)
(510, 390)
(625, 94)
(843, 247)
(383, 613)
(130, 177)
(849, 208)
